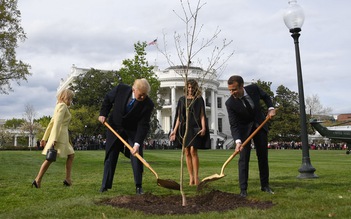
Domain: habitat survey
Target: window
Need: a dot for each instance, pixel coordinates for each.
(220, 125)
(219, 102)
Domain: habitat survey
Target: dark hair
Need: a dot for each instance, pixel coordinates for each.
(195, 87)
(236, 78)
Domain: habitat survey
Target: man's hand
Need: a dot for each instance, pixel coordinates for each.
(271, 113)
(135, 149)
(238, 147)
(102, 119)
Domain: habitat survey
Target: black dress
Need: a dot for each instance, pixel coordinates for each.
(197, 108)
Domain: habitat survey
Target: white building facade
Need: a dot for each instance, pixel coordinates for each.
(214, 93)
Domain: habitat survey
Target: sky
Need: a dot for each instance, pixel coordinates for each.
(100, 34)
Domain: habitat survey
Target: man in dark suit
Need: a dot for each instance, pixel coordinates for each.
(245, 115)
(130, 117)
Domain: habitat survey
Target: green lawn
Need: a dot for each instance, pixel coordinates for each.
(328, 196)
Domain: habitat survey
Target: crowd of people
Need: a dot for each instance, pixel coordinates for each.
(313, 146)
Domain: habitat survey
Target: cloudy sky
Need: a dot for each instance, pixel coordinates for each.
(101, 33)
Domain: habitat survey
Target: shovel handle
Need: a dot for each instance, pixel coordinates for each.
(130, 148)
(245, 143)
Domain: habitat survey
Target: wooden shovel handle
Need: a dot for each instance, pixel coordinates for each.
(130, 148)
(245, 143)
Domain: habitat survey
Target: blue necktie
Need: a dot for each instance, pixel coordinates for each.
(130, 105)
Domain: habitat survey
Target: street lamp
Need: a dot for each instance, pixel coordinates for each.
(294, 18)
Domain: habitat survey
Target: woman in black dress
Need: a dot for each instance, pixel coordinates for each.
(197, 133)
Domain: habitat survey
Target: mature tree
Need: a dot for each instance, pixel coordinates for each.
(286, 125)
(44, 122)
(140, 68)
(91, 87)
(30, 125)
(84, 121)
(11, 32)
(314, 106)
(13, 123)
(266, 86)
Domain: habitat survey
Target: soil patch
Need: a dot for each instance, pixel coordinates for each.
(172, 205)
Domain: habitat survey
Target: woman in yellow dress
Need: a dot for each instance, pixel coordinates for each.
(57, 134)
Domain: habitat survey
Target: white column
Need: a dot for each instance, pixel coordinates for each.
(213, 112)
(173, 102)
(159, 114)
(214, 118)
(15, 143)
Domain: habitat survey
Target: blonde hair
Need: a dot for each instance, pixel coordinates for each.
(142, 85)
(65, 96)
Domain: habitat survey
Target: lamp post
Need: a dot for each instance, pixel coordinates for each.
(294, 18)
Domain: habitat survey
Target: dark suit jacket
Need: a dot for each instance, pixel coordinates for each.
(135, 124)
(240, 120)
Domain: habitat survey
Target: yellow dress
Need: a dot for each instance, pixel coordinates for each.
(57, 130)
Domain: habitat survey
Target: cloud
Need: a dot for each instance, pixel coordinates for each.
(100, 34)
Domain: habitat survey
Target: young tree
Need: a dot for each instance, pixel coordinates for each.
(188, 47)
(30, 125)
(11, 32)
(5, 136)
(314, 106)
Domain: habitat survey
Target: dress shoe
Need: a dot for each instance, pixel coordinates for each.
(243, 193)
(34, 183)
(102, 190)
(66, 183)
(267, 189)
(139, 191)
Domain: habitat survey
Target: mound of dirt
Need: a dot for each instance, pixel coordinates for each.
(172, 205)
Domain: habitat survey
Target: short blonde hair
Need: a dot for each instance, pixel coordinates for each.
(142, 85)
(65, 96)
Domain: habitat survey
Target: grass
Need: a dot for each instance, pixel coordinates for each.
(328, 196)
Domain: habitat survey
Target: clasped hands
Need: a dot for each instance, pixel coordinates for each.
(172, 136)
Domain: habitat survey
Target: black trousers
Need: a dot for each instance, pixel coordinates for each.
(110, 164)
(261, 143)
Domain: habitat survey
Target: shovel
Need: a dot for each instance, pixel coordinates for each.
(169, 184)
(219, 176)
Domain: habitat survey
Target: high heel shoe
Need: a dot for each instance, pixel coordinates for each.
(66, 183)
(34, 183)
